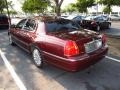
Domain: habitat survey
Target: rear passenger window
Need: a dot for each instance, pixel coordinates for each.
(21, 24)
(30, 25)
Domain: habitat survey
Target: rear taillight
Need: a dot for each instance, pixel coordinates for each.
(103, 38)
(70, 48)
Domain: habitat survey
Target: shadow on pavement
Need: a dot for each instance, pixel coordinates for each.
(103, 76)
(113, 32)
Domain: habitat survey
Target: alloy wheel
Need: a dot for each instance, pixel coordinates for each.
(37, 57)
(109, 26)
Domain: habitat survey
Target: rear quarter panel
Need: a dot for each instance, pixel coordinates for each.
(54, 45)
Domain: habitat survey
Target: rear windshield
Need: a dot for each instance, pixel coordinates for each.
(60, 25)
(96, 19)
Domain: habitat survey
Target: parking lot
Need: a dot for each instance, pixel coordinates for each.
(105, 75)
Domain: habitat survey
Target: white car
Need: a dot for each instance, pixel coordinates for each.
(114, 17)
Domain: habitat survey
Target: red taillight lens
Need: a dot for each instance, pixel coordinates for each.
(103, 38)
(70, 48)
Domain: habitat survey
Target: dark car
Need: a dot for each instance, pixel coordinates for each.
(4, 22)
(59, 42)
(95, 23)
(76, 18)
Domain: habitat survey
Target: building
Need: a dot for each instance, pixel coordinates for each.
(99, 8)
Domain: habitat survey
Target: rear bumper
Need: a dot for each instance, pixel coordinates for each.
(91, 27)
(77, 63)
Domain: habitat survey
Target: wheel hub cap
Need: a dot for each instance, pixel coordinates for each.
(37, 57)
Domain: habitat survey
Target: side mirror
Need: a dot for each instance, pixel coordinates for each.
(13, 26)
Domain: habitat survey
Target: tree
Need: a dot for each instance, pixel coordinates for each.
(2, 5)
(107, 10)
(34, 6)
(56, 4)
(10, 5)
(82, 5)
(70, 8)
(109, 4)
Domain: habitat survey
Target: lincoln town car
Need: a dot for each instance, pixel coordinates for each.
(59, 42)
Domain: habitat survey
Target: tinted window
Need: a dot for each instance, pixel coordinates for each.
(61, 25)
(30, 25)
(98, 19)
(77, 18)
(21, 23)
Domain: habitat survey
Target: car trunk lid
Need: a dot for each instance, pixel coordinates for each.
(80, 37)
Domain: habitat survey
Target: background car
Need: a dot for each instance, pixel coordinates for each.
(114, 17)
(59, 42)
(64, 16)
(76, 18)
(4, 22)
(95, 23)
(105, 17)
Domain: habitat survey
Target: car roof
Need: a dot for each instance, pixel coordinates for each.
(48, 18)
(73, 16)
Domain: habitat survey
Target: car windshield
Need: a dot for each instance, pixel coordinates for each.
(89, 18)
(61, 25)
(96, 18)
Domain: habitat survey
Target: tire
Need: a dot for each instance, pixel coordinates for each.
(10, 40)
(109, 26)
(98, 28)
(37, 57)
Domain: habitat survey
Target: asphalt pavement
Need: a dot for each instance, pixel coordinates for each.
(105, 75)
(114, 31)
(6, 80)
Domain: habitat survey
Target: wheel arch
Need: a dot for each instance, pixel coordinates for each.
(34, 45)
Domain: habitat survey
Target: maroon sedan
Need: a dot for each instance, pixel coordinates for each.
(59, 42)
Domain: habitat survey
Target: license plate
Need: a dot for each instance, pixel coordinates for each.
(93, 45)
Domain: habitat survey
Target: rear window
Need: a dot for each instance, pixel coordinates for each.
(96, 19)
(60, 25)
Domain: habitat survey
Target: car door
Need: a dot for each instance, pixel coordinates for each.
(27, 34)
(77, 19)
(15, 32)
(105, 23)
(101, 22)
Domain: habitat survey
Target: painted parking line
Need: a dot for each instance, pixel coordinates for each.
(114, 59)
(12, 72)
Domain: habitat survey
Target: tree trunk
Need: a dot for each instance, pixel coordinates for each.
(109, 6)
(58, 7)
(57, 11)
